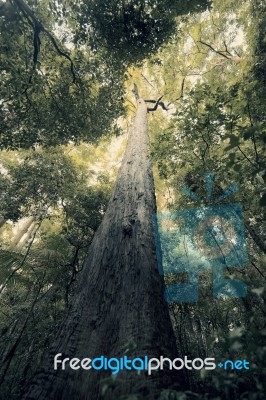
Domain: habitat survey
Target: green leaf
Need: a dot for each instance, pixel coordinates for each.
(237, 167)
(234, 142)
(249, 132)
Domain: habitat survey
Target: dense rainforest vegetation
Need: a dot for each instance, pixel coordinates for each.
(69, 73)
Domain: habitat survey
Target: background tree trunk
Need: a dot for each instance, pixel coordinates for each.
(2, 221)
(22, 230)
(28, 235)
(119, 301)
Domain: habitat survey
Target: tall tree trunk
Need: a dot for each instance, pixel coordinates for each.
(119, 301)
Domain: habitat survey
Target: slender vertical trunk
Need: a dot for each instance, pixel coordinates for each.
(119, 301)
(23, 230)
(28, 235)
(2, 221)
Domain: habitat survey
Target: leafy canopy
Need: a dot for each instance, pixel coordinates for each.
(131, 29)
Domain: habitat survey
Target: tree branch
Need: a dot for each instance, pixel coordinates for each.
(213, 49)
(246, 157)
(157, 103)
(135, 90)
(144, 77)
(38, 27)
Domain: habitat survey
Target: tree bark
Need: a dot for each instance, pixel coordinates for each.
(119, 301)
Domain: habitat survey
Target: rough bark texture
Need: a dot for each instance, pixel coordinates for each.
(120, 295)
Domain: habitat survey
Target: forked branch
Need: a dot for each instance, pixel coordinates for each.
(157, 103)
(38, 27)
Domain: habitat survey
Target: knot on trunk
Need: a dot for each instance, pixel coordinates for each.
(127, 229)
(127, 225)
